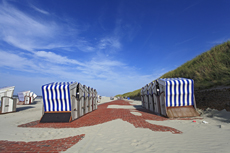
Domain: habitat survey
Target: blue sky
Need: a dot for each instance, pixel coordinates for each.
(114, 46)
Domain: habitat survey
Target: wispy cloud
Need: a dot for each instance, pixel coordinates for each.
(190, 6)
(30, 33)
(84, 46)
(48, 42)
(96, 72)
(182, 42)
(16, 62)
(40, 10)
(22, 31)
(55, 58)
(219, 41)
(111, 42)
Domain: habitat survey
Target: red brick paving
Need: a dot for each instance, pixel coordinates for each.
(46, 146)
(104, 114)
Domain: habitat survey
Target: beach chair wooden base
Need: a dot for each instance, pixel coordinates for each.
(184, 111)
(56, 117)
(20, 103)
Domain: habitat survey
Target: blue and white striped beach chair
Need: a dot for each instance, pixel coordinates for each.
(62, 101)
(175, 97)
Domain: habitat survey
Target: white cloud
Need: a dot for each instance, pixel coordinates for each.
(55, 58)
(219, 41)
(25, 31)
(106, 43)
(108, 76)
(16, 62)
(22, 31)
(40, 10)
(182, 42)
(100, 68)
(84, 46)
(50, 63)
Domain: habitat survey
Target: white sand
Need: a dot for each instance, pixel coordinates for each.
(105, 100)
(121, 136)
(121, 107)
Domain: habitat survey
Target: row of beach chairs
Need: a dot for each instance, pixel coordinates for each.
(67, 101)
(62, 101)
(170, 97)
(26, 97)
(8, 102)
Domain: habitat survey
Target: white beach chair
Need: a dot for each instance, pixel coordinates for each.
(21, 96)
(7, 102)
(142, 97)
(98, 98)
(146, 97)
(92, 93)
(81, 99)
(95, 99)
(150, 96)
(26, 97)
(156, 101)
(86, 100)
(90, 99)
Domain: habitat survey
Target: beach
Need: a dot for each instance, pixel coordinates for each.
(117, 126)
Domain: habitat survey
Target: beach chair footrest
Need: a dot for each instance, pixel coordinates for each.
(55, 117)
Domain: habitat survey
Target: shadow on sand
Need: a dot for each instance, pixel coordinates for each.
(223, 116)
(35, 102)
(23, 108)
(140, 108)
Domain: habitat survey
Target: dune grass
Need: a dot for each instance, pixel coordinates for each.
(210, 69)
(132, 94)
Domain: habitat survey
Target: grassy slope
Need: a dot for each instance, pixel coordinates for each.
(209, 69)
(131, 94)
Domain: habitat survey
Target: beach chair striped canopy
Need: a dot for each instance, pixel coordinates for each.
(178, 91)
(56, 96)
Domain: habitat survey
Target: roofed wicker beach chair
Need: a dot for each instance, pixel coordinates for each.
(174, 97)
(64, 101)
(7, 102)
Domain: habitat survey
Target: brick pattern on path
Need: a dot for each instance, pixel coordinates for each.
(46, 146)
(104, 114)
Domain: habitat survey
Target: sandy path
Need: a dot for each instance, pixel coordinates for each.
(121, 136)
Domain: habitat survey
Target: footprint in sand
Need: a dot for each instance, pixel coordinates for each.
(135, 143)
